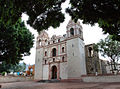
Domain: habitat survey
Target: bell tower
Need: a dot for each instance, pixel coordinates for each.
(75, 50)
(74, 29)
(42, 39)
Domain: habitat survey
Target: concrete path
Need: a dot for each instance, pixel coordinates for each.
(59, 85)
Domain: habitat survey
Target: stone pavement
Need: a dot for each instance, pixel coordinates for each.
(59, 85)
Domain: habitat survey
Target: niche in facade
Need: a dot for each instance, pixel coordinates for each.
(63, 49)
(40, 42)
(58, 40)
(46, 40)
(90, 52)
(45, 61)
(72, 31)
(54, 52)
(45, 53)
(53, 59)
(63, 59)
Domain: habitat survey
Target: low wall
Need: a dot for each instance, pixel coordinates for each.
(106, 78)
(5, 79)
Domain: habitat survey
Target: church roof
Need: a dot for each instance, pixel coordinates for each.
(43, 34)
(71, 22)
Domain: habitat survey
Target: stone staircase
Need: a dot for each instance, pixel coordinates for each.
(49, 81)
(72, 80)
(63, 80)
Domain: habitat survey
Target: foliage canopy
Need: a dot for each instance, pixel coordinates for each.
(104, 12)
(15, 42)
(42, 13)
(6, 67)
(110, 49)
(45, 13)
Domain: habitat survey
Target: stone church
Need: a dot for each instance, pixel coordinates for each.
(64, 57)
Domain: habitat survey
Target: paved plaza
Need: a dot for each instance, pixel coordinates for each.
(59, 85)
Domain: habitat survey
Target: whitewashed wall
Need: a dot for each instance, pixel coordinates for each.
(63, 70)
(76, 58)
(45, 72)
(38, 64)
(112, 78)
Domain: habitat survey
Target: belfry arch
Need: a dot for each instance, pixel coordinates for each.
(72, 31)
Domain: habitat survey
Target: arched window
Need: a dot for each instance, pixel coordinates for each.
(54, 52)
(72, 31)
(63, 59)
(58, 40)
(63, 49)
(53, 59)
(45, 53)
(46, 40)
(45, 61)
(90, 52)
(40, 42)
(53, 41)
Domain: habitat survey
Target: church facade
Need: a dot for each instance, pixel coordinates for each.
(61, 57)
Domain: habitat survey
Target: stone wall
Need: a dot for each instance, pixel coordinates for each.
(106, 78)
(38, 64)
(76, 58)
(63, 70)
(45, 72)
(14, 79)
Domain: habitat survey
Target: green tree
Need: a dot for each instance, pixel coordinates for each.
(23, 67)
(110, 49)
(45, 13)
(104, 12)
(42, 13)
(15, 39)
(18, 67)
(6, 67)
(15, 42)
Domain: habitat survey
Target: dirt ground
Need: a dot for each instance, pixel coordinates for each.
(59, 85)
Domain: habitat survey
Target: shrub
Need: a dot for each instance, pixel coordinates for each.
(3, 73)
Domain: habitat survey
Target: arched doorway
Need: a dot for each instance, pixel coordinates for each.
(54, 72)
